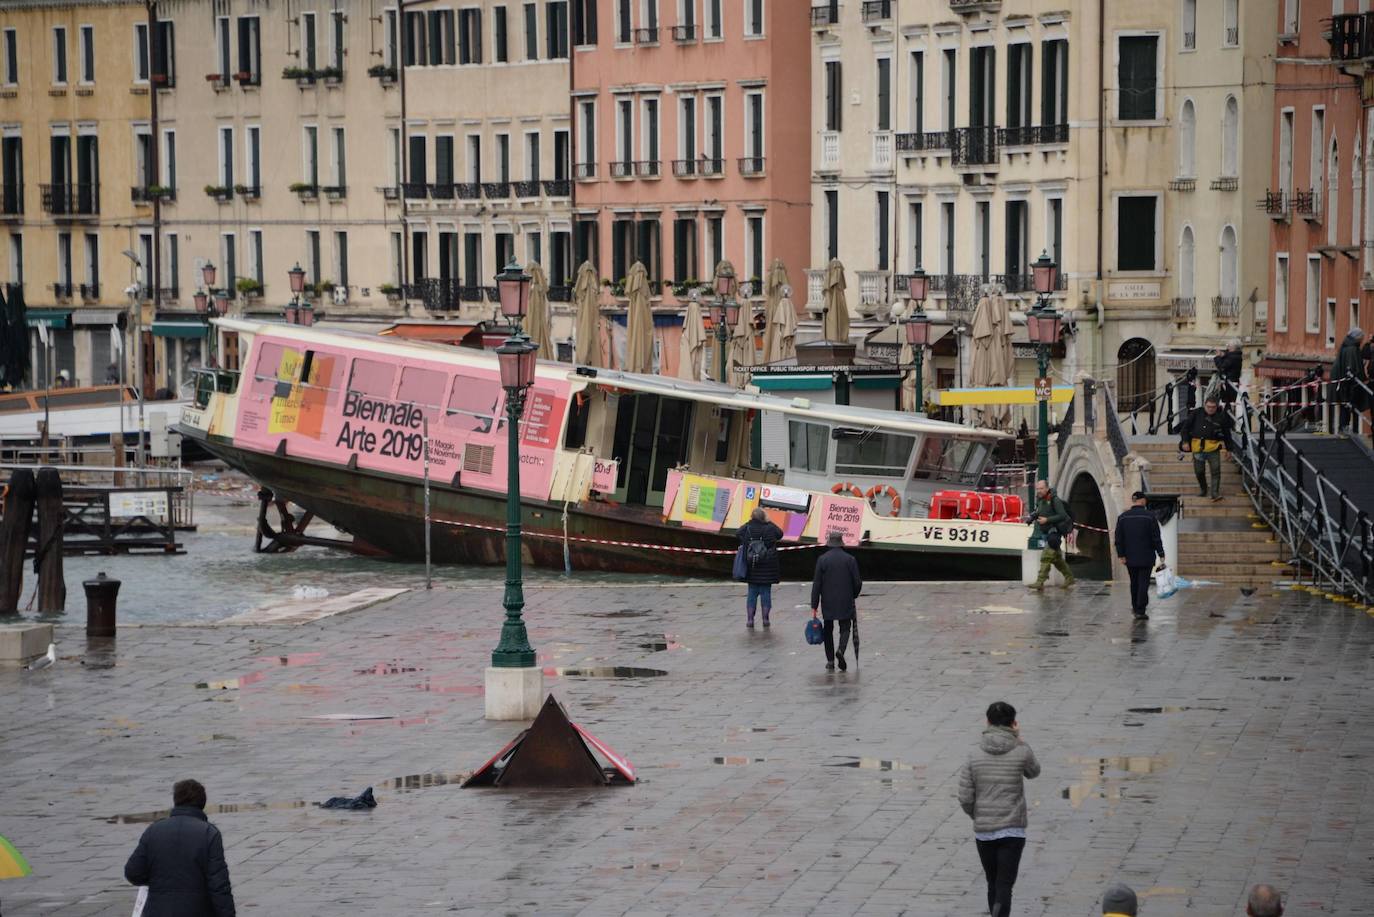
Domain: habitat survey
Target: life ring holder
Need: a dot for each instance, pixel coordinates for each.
(878, 490)
(847, 488)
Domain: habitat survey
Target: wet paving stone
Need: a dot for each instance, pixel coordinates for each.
(1224, 742)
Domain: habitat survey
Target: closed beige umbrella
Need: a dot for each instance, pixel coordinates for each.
(538, 324)
(836, 309)
(772, 294)
(692, 344)
(780, 340)
(983, 368)
(741, 353)
(1002, 350)
(906, 358)
(639, 332)
(587, 336)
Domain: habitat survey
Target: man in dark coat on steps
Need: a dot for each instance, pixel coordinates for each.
(1138, 543)
(181, 860)
(833, 590)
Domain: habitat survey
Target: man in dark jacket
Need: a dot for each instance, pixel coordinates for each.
(760, 538)
(1138, 543)
(1051, 521)
(992, 791)
(834, 588)
(1349, 374)
(1206, 432)
(181, 860)
(1228, 363)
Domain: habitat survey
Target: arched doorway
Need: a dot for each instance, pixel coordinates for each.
(1135, 374)
(1093, 549)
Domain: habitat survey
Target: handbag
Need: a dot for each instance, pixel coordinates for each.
(741, 569)
(1166, 584)
(815, 631)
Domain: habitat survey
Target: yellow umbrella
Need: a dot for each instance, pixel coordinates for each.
(12, 862)
(772, 294)
(780, 340)
(741, 353)
(692, 344)
(587, 337)
(537, 323)
(836, 325)
(639, 332)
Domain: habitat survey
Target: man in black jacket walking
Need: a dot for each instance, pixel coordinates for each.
(1205, 433)
(1138, 543)
(181, 860)
(833, 590)
(760, 538)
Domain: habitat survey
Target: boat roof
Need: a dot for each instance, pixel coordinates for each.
(664, 386)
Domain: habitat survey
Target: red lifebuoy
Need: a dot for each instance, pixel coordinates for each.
(847, 488)
(878, 489)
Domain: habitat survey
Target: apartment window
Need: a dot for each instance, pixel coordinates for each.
(253, 143)
(228, 258)
(499, 51)
(64, 258)
(222, 49)
(256, 268)
(337, 38)
(532, 156)
(687, 129)
(622, 247)
(1290, 17)
(474, 158)
(1330, 324)
(584, 22)
(443, 165)
(1286, 151)
(917, 92)
(16, 257)
(534, 248)
(883, 229)
(1136, 232)
(397, 258)
(556, 15)
(715, 240)
(1230, 22)
(832, 225)
(86, 40)
(982, 223)
(715, 127)
(503, 157)
(685, 249)
(649, 246)
(338, 149)
(982, 86)
(92, 262)
(947, 236)
(884, 122)
(753, 125)
(587, 242)
(1019, 85)
(226, 157)
(1137, 77)
(949, 86)
(1230, 264)
(1317, 153)
(143, 156)
(441, 47)
(1312, 317)
(11, 57)
(1187, 140)
(531, 31)
(753, 228)
(586, 116)
(623, 25)
(469, 36)
(1230, 138)
(650, 126)
(308, 55)
(562, 157)
(11, 175)
(157, 59)
(624, 130)
(250, 49)
(341, 258)
(168, 163)
(833, 96)
(915, 233)
(1281, 291)
(416, 173)
(1054, 82)
(414, 51)
(310, 152)
(753, 19)
(1016, 237)
(312, 255)
(1189, 24)
(715, 25)
(1055, 230)
(171, 265)
(59, 55)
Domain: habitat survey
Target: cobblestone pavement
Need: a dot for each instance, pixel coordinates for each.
(1230, 741)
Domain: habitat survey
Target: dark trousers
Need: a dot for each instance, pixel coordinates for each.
(1140, 587)
(830, 638)
(1204, 462)
(1001, 860)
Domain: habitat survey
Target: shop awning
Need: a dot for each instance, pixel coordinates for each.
(53, 318)
(180, 329)
(950, 397)
(453, 333)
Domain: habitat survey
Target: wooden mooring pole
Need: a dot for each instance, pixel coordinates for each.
(52, 586)
(14, 539)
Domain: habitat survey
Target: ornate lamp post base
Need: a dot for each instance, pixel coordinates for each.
(514, 694)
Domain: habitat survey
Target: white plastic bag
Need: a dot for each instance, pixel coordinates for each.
(1166, 584)
(140, 901)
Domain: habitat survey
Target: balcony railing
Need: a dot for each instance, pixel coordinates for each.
(496, 190)
(882, 152)
(645, 36)
(415, 190)
(974, 146)
(1232, 36)
(146, 194)
(877, 10)
(685, 168)
(529, 188)
(648, 168)
(1189, 41)
(1225, 184)
(62, 290)
(1185, 308)
(815, 288)
(1304, 203)
(560, 292)
(922, 142)
(1183, 184)
(1025, 135)
(683, 34)
(1025, 283)
(584, 171)
(975, 6)
(89, 291)
(1352, 36)
(826, 14)
(751, 165)
(11, 201)
(467, 190)
(873, 290)
(441, 192)
(1225, 308)
(712, 167)
(830, 150)
(622, 168)
(1276, 204)
(334, 192)
(557, 187)
(81, 199)
(438, 294)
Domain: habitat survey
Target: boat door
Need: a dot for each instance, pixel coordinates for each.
(651, 438)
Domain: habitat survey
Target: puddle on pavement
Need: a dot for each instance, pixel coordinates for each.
(658, 643)
(605, 671)
(876, 764)
(387, 668)
(622, 613)
(1108, 778)
(1054, 633)
(997, 610)
(737, 760)
(1267, 678)
(1172, 709)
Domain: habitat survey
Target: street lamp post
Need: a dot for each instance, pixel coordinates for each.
(918, 330)
(514, 683)
(724, 314)
(294, 311)
(1042, 324)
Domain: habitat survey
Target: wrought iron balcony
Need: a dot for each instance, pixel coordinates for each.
(89, 291)
(826, 14)
(438, 294)
(1189, 41)
(923, 142)
(1183, 184)
(1025, 135)
(467, 191)
(584, 171)
(496, 190)
(648, 168)
(441, 192)
(62, 289)
(527, 188)
(1185, 308)
(645, 36)
(334, 192)
(974, 146)
(1352, 36)
(1276, 204)
(146, 194)
(1233, 36)
(558, 187)
(712, 167)
(82, 199)
(877, 10)
(560, 292)
(415, 190)
(685, 168)
(1225, 184)
(1225, 308)
(622, 168)
(684, 34)
(751, 166)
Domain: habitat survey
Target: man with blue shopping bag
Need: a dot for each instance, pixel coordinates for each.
(834, 588)
(1138, 543)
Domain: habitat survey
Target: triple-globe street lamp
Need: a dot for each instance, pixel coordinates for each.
(917, 328)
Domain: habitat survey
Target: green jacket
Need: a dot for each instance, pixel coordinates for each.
(1054, 511)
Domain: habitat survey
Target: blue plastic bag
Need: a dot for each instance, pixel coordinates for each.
(741, 570)
(815, 631)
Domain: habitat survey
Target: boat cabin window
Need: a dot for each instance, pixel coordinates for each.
(372, 377)
(723, 436)
(321, 370)
(472, 406)
(269, 370)
(808, 446)
(870, 454)
(579, 412)
(946, 459)
(423, 388)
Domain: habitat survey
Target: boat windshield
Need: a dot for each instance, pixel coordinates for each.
(946, 459)
(865, 453)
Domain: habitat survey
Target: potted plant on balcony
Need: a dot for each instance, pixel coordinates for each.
(323, 288)
(249, 287)
(390, 291)
(221, 193)
(382, 72)
(247, 192)
(159, 193)
(330, 74)
(306, 190)
(302, 75)
(683, 289)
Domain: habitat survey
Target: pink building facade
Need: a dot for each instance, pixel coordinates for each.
(691, 126)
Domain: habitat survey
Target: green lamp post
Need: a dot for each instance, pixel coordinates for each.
(918, 329)
(516, 357)
(1042, 325)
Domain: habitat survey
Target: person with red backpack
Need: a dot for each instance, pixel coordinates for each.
(758, 540)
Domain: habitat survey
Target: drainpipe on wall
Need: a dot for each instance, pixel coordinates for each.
(1098, 358)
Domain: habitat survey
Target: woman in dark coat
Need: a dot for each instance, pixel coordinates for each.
(833, 590)
(760, 538)
(1229, 363)
(1348, 373)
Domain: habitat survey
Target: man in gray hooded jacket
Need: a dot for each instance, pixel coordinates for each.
(992, 792)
